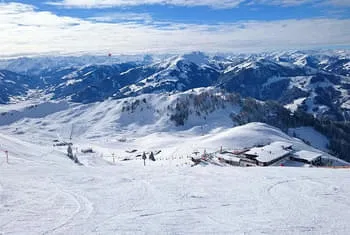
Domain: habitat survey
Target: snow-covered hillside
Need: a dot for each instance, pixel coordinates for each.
(44, 192)
(177, 124)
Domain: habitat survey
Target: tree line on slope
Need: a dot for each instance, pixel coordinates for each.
(269, 112)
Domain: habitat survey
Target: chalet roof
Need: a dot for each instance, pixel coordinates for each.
(307, 155)
(228, 156)
(270, 152)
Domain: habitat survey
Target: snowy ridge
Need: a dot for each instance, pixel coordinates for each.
(204, 116)
(122, 115)
(36, 65)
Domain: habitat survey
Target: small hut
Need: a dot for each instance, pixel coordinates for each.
(307, 157)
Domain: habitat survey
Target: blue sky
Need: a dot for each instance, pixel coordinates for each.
(167, 26)
(206, 14)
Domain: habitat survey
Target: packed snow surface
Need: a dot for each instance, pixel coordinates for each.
(43, 192)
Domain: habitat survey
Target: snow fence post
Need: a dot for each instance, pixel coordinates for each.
(144, 157)
(7, 156)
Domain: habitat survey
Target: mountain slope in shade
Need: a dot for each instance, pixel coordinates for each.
(13, 84)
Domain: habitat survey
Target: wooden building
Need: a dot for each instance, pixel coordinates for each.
(269, 154)
(307, 157)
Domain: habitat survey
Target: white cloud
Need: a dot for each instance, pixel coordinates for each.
(284, 3)
(340, 3)
(24, 30)
(288, 3)
(191, 3)
(125, 16)
(111, 3)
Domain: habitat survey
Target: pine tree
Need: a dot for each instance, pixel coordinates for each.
(151, 157)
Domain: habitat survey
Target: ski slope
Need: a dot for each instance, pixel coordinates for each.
(44, 192)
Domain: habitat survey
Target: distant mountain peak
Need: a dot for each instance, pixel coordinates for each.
(315, 81)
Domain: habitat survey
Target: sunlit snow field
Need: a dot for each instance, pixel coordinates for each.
(42, 191)
(53, 196)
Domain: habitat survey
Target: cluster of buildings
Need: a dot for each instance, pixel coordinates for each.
(276, 153)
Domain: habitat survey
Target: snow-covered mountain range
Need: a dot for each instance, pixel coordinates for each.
(313, 81)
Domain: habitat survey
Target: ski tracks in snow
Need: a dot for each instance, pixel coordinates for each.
(83, 210)
(300, 198)
(131, 197)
